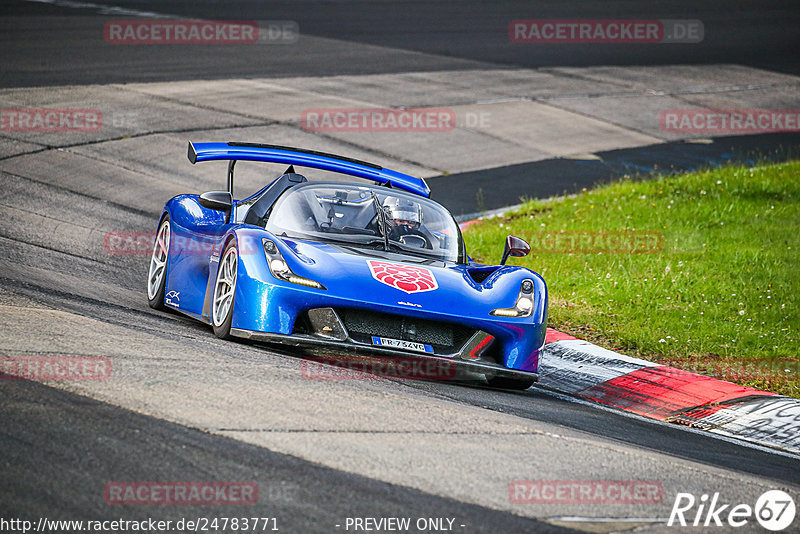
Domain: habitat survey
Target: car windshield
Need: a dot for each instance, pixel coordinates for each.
(369, 217)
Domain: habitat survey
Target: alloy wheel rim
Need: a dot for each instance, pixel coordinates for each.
(224, 288)
(158, 261)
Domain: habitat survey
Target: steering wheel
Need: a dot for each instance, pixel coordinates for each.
(415, 240)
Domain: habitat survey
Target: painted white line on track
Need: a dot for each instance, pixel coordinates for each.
(580, 519)
(103, 9)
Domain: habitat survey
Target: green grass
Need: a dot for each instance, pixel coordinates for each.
(721, 297)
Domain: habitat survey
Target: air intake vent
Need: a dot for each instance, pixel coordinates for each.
(479, 274)
(446, 338)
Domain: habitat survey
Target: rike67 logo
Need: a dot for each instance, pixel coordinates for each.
(774, 510)
(403, 277)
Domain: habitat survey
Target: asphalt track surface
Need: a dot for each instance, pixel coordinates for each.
(756, 33)
(304, 497)
(381, 37)
(186, 406)
(457, 191)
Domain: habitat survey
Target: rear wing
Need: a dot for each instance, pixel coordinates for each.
(304, 158)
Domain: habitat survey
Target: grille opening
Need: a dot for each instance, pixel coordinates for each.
(445, 338)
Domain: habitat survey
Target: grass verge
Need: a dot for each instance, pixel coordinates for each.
(700, 271)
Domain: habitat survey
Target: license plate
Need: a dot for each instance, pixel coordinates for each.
(401, 344)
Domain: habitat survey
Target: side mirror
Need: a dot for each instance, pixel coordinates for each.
(515, 247)
(217, 200)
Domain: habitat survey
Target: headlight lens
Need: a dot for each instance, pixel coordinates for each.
(280, 269)
(524, 305)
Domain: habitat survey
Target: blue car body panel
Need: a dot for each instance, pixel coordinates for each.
(266, 304)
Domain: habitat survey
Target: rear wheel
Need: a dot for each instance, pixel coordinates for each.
(157, 276)
(224, 292)
(503, 382)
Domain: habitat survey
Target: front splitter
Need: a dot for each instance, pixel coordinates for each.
(486, 369)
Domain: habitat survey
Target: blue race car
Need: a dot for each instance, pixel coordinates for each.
(374, 266)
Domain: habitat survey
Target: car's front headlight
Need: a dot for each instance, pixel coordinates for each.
(280, 269)
(524, 304)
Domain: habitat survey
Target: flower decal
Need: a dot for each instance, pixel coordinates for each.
(403, 277)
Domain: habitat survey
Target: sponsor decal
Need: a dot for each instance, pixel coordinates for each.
(407, 278)
(173, 298)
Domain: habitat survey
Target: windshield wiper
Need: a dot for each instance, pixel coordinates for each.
(382, 224)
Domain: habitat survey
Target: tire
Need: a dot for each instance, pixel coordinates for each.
(224, 295)
(519, 384)
(157, 274)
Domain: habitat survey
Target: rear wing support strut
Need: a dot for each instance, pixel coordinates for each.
(231, 165)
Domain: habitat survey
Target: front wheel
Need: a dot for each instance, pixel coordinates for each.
(157, 276)
(503, 382)
(224, 292)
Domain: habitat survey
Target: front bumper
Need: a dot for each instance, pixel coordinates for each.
(276, 308)
(330, 333)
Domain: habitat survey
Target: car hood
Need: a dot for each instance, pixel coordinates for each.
(408, 281)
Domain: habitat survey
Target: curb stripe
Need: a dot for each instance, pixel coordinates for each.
(555, 335)
(587, 371)
(663, 392)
